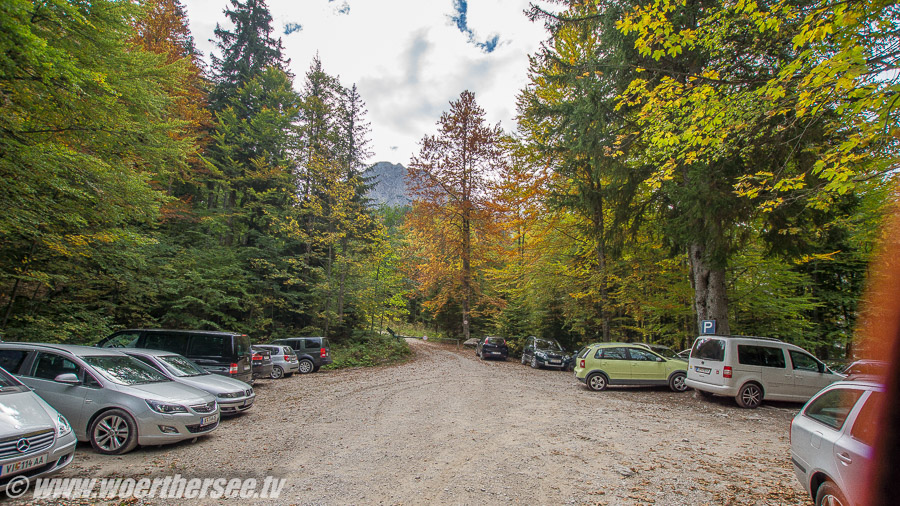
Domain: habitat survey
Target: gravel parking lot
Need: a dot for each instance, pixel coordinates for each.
(447, 427)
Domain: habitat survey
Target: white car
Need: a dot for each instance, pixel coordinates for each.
(753, 369)
(832, 439)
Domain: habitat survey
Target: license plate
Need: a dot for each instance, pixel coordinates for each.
(248, 402)
(555, 362)
(23, 465)
(246, 367)
(494, 352)
(702, 370)
(207, 420)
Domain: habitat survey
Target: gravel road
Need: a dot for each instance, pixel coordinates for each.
(447, 427)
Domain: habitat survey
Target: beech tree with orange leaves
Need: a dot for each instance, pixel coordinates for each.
(451, 223)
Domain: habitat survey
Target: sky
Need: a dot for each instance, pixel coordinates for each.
(408, 58)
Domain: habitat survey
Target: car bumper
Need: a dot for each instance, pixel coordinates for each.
(61, 455)
(151, 430)
(290, 367)
(726, 390)
(263, 371)
(234, 406)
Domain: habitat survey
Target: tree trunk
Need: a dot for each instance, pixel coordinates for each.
(467, 273)
(710, 296)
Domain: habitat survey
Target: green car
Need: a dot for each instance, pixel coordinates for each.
(601, 365)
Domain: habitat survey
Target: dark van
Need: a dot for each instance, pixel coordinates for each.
(225, 353)
(313, 352)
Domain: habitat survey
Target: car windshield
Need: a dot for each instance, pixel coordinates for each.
(10, 384)
(547, 344)
(666, 352)
(124, 370)
(181, 367)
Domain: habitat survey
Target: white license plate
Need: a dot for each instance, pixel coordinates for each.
(207, 420)
(555, 362)
(23, 465)
(702, 370)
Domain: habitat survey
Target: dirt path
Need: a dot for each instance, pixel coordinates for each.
(449, 428)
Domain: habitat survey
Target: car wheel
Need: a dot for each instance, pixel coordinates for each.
(830, 495)
(306, 366)
(534, 363)
(113, 433)
(277, 373)
(596, 382)
(749, 396)
(677, 384)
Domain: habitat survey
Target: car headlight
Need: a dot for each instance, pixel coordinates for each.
(165, 408)
(62, 426)
(541, 355)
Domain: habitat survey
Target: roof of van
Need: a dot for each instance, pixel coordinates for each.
(742, 337)
(207, 332)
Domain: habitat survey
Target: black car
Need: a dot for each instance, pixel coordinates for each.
(492, 347)
(261, 362)
(544, 352)
(225, 353)
(312, 352)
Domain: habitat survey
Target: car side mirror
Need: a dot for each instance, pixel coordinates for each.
(67, 378)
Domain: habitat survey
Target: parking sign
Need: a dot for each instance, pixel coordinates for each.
(707, 326)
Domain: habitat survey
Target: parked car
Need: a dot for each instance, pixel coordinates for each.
(261, 362)
(661, 350)
(684, 354)
(312, 352)
(832, 440)
(284, 360)
(35, 439)
(234, 396)
(110, 399)
(225, 353)
(601, 365)
(545, 352)
(492, 347)
(876, 368)
(753, 369)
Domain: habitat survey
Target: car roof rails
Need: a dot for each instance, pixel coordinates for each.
(757, 337)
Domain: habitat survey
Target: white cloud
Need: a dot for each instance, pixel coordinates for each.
(407, 57)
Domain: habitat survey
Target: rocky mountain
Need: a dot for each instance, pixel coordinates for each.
(388, 182)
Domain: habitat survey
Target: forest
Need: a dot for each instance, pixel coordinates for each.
(674, 161)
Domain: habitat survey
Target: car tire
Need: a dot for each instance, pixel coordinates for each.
(534, 362)
(113, 432)
(750, 396)
(596, 382)
(306, 366)
(830, 495)
(676, 382)
(277, 373)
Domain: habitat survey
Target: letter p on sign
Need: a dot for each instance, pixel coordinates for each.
(707, 326)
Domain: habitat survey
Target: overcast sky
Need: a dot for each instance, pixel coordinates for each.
(408, 58)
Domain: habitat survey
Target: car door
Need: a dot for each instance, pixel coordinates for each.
(66, 398)
(528, 350)
(810, 375)
(853, 451)
(615, 363)
(646, 366)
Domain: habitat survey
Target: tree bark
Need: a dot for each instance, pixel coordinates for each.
(710, 295)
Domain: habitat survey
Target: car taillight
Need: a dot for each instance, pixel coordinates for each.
(257, 357)
(726, 372)
(582, 364)
(232, 369)
(323, 353)
(287, 358)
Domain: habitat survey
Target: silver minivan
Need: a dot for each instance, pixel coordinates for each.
(35, 440)
(753, 369)
(112, 400)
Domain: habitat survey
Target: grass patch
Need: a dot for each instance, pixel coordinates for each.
(368, 351)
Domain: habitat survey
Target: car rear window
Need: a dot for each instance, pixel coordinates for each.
(765, 356)
(495, 340)
(832, 407)
(312, 343)
(11, 360)
(709, 348)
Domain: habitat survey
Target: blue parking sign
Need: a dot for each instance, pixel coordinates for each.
(707, 327)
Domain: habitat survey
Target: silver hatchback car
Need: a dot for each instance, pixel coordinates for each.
(832, 439)
(112, 400)
(234, 396)
(284, 360)
(35, 440)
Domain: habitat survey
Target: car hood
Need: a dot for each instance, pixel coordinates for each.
(170, 391)
(24, 412)
(215, 383)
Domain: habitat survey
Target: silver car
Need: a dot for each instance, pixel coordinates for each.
(35, 440)
(832, 439)
(234, 396)
(112, 400)
(284, 360)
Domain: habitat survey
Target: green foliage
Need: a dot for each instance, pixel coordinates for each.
(368, 349)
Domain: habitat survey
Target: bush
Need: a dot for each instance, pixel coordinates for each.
(368, 350)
